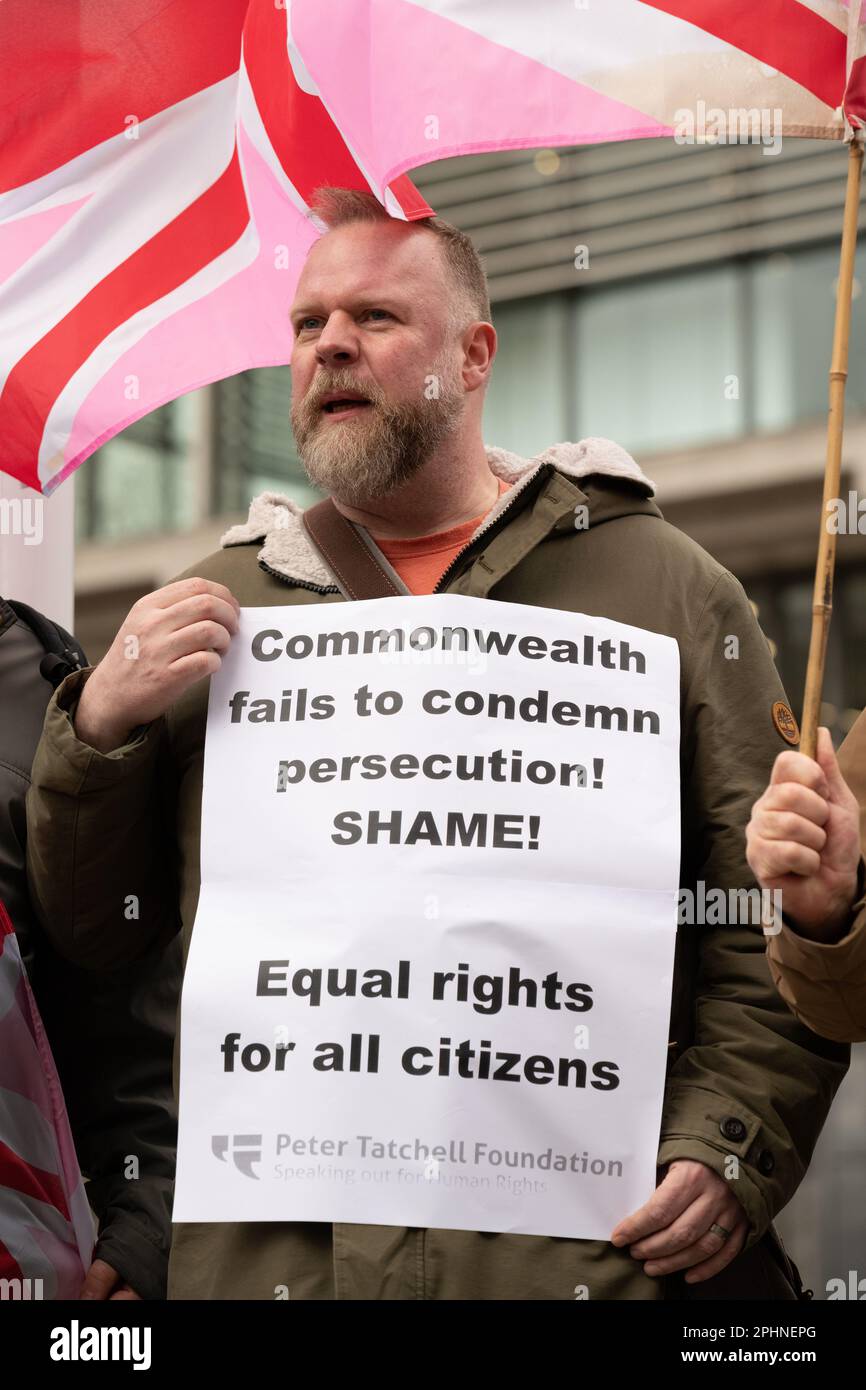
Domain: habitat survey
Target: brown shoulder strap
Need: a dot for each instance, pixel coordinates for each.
(355, 566)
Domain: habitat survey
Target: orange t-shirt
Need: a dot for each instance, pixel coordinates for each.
(421, 561)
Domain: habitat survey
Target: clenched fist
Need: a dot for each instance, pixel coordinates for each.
(169, 640)
(804, 838)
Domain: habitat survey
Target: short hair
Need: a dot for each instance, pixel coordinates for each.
(338, 207)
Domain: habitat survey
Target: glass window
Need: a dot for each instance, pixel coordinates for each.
(189, 425)
(794, 307)
(129, 490)
(526, 408)
(254, 447)
(794, 609)
(661, 365)
(784, 608)
(852, 631)
(137, 483)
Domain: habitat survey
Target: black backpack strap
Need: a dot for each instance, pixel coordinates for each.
(63, 653)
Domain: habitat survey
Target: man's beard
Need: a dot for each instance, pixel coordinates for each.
(371, 457)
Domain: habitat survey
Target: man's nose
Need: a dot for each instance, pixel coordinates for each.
(337, 343)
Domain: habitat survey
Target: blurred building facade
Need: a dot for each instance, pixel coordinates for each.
(679, 300)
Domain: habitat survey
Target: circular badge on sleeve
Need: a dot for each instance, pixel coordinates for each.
(783, 718)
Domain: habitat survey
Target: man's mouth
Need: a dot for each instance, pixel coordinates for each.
(340, 405)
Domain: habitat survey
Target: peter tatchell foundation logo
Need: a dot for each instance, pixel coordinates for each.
(245, 1149)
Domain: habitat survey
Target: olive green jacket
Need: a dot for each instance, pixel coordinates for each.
(748, 1087)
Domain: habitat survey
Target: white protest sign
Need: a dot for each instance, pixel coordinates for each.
(429, 980)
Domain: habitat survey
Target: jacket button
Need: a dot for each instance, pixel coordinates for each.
(733, 1129)
(766, 1162)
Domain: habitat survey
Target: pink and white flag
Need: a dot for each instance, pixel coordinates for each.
(156, 162)
(410, 81)
(157, 157)
(46, 1230)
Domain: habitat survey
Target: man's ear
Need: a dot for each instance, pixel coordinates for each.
(479, 351)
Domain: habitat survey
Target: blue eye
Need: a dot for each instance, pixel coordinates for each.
(380, 311)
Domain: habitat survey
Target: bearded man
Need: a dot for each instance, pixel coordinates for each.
(392, 354)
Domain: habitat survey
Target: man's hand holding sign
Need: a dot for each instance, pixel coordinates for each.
(179, 634)
(692, 1222)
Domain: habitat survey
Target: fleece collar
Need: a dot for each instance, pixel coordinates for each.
(275, 518)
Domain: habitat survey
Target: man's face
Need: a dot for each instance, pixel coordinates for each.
(371, 319)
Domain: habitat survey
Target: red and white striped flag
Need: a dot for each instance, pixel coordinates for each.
(156, 161)
(154, 179)
(46, 1230)
(410, 81)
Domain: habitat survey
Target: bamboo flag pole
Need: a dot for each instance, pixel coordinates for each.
(822, 599)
